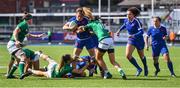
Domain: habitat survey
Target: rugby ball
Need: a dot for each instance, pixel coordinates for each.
(72, 24)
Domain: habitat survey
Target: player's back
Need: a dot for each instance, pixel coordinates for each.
(99, 29)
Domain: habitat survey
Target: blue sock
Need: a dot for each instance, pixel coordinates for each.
(145, 66)
(144, 62)
(170, 66)
(156, 65)
(133, 61)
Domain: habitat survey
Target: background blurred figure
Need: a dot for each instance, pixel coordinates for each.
(172, 37)
(49, 33)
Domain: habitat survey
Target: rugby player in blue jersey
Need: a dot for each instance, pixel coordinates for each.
(159, 34)
(83, 38)
(135, 39)
(82, 61)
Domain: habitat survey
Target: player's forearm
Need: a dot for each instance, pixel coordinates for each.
(67, 28)
(34, 36)
(121, 28)
(147, 41)
(15, 34)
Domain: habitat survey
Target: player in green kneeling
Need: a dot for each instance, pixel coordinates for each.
(32, 61)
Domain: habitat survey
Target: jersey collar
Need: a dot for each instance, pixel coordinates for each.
(157, 27)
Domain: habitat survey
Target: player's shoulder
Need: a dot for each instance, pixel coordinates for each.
(85, 20)
(163, 27)
(126, 20)
(72, 18)
(23, 23)
(151, 27)
(137, 21)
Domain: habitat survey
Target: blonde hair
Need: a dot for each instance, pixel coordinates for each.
(88, 13)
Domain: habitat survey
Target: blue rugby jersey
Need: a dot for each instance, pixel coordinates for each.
(157, 34)
(82, 35)
(133, 27)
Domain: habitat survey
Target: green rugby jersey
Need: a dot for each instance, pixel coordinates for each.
(98, 28)
(24, 29)
(49, 33)
(64, 70)
(29, 53)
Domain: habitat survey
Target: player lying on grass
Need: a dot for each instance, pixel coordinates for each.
(32, 61)
(55, 70)
(105, 45)
(82, 61)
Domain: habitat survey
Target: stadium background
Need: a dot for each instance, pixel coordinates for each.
(52, 14)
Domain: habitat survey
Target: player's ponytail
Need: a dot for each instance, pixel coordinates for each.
(88, 13)
(27, 16)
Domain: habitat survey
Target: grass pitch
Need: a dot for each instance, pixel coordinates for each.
(163, 80)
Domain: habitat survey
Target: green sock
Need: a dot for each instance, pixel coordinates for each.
(122, 72)
(21, 67)
(13, 69)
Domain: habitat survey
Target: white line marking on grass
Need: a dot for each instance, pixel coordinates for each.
(3, 66)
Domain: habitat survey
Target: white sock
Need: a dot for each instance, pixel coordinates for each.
(106, 71)
(119, 69)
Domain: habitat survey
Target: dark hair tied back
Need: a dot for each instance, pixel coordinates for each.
(135, 11)
(27, 16)
(66, 57)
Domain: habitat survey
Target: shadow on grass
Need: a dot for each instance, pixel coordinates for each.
(154, 79)
(99, 78)
(129, 77)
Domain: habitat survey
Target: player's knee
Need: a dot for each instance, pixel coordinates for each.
(112, 62)
(99, 57)
(128, 56)
(155, 61)
(20, 55)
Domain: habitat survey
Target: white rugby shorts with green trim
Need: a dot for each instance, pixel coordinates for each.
(11, 47)
(52, 69)
(106, 43)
